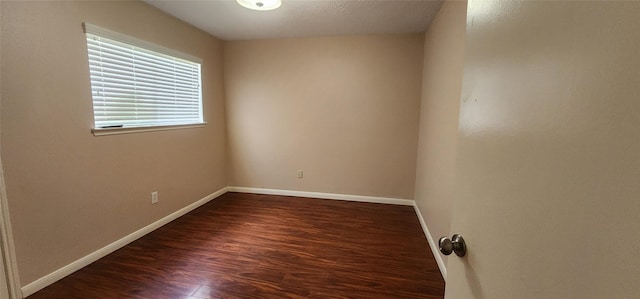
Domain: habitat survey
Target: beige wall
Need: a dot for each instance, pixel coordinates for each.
(441, 87)
(69, 192)
(342, 109)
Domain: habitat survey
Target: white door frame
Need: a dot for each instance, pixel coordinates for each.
(7, 248)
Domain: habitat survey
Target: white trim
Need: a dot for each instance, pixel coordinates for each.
(128, 130)
(360, 198)
(432, 243)
(56, 275)
(385, 200)
(96, 255)
(7, 244)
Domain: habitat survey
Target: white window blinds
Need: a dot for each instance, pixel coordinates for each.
(134, 84)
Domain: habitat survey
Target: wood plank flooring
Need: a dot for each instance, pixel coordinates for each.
(265, 246)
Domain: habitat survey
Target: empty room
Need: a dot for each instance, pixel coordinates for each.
(319, 149)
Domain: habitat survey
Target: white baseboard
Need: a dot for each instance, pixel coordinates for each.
(54, 276)
(386, 200)
(96, 255)
(360, 198)
(434, 247)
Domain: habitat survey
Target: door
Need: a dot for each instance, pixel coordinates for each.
(548, 167)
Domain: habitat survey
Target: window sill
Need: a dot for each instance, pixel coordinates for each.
(129, 130)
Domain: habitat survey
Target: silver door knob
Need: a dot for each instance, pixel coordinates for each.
(455, 244)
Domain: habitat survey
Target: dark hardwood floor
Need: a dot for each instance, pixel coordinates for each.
(263, 246)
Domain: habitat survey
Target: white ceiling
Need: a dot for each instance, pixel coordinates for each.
(228, 20)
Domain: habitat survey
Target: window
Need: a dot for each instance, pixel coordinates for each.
(135, 84)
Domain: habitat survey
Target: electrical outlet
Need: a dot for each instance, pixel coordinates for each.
(300, 174)
(154, 197)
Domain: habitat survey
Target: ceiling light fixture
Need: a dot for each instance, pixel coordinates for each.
(260, 4)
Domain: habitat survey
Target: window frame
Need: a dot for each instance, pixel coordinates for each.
(147, 46)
